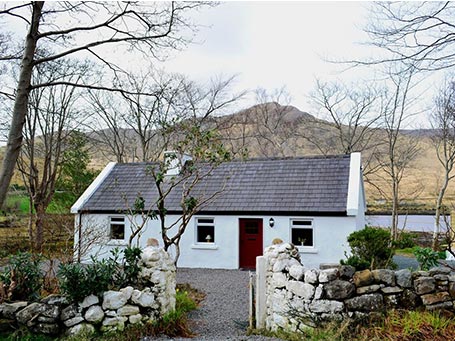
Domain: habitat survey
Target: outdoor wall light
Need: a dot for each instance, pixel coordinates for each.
(271, 222)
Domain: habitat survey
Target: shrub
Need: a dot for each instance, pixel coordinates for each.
(370, 248)
(22, 277)
(428, 258)
(405, 240)
(131, 268)
(78, 281)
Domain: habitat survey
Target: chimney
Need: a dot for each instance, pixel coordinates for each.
(174, 162)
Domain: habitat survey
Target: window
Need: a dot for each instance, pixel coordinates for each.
(117, 228)
(205, 230)
(302, 232)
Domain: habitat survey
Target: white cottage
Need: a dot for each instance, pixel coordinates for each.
(313, 202)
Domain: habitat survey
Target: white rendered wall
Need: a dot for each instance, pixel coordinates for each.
(330, 239)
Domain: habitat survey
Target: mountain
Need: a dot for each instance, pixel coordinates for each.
(273, 130)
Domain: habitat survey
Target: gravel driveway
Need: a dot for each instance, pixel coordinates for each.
(223, 315)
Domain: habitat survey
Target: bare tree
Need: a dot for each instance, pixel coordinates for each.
(48, 122)
(274, 126)
(443, 122)
(399, 150)
(109, 132)
(192, 134)
(418, 33)
(350, 110)
(84, 29)
(150, 117)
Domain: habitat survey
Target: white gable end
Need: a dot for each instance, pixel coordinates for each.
(92, 188)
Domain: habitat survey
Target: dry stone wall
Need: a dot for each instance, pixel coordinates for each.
(294, 298)
(112, 310)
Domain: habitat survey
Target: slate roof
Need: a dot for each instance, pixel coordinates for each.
(317, 185)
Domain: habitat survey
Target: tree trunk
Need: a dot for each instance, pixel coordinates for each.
(395, 199)
(40, 211)
(20, 104)
(437, 216)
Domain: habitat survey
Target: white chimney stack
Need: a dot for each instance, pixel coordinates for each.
(174, 162)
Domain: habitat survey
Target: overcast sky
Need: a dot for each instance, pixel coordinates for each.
(275, 44)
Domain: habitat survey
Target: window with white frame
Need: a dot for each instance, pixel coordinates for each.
(205, 230)
(302, 232)
(117, 228)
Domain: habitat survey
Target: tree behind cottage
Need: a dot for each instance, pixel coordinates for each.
(192, 134)
(96, 30)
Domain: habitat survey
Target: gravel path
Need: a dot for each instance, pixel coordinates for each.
(223, 315)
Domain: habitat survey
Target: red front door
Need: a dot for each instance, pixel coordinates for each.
(250, 242)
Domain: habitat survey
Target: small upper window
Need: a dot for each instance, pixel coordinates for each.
(117, 228)
(302, 232)
(205, 230)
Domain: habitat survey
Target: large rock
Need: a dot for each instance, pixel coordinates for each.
(278, 280)
(346, 271)
(73, 321)
(409, 299)
(368, 289)
(54, 299)
(404, 278)
(367, 303)
(303, 290)
(114, 323)
(47, 328)
(338, 289)
(439, 297)
(452, 289)
(362, 278)
(391, 290)
(51, 311)
(424, 285)
(326, 306)
(311, 276)
(83, 328)
(9, 309)
(143, 298)
(112, 300)
(128, 291)
(94, 314)
(297, 271)
(439, 270)
(135, 318)
(89, 301)
(384, 276)
(69, 312)
(30, 312)
(328, 275)
(128, 310)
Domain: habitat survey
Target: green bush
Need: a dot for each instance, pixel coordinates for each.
(428, 258)
(405, 240)
(78, 281)
(370, 248)
(23, 277)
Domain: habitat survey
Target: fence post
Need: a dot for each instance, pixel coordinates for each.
(261, 309)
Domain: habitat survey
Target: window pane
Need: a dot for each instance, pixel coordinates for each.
(205, 234)
(117, 231)
(301, 222)
(205, 221)
(302, 237)
(120, 219)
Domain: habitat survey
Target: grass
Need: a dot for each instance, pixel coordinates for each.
(407, 252)
(398, 325)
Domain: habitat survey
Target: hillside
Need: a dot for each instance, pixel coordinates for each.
(272, 130)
